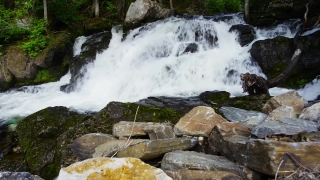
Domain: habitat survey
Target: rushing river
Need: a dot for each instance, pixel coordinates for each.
(150, 61)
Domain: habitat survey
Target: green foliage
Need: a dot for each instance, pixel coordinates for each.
(8, 28)
(217, 6)
(37, 41)
(1, 51)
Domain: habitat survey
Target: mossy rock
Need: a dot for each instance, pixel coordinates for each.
(38, 134)
(254, 103)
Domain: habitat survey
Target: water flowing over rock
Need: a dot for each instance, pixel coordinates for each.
(281, 112)
(113, 169)
(84, 146)
(155, 148)
(274, 55)
(141, 10)
(292, 99)
(198, 122)
(183, 174)
(246, 33)
(247, 118)
(198, 161)
(311, 113)
(18, 176)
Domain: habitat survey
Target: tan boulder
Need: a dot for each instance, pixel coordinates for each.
(155, 148)
(311, 113)
(198, 122)
(281, 112)
(292, 99)
(112, 169)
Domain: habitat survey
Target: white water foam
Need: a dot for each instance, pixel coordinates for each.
(149, 62)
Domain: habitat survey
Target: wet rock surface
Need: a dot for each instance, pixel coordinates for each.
(246, 33)
(18, 176)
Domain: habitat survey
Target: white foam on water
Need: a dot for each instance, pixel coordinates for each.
(150, 61)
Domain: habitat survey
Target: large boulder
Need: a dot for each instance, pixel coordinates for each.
(291, 99)
(265, 156)
(284, 126)
(38, 135)
(311, 113)
(50, 65)
(145, 10)
(198, 122)
(198, 161)
(113, 169)
(274, 55)
(183, 174)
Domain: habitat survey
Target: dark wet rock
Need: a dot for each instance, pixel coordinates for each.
(18, 176)
(183, 174)
(8, 140)
(198, 161)
(84, 146)
(264, 156)
(274, 55)
(14, 162)
(94, 44)
(214, 97)
(206, 36)
(284, 126)
(175, 103)
(151, 149)
(191, 48)
(254, 103)
(246, 33)
(248, 118)
(38, 135)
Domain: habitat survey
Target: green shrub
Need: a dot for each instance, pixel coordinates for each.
(37, 41)
(217, 6)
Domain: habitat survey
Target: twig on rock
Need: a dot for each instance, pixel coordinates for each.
(275, 178)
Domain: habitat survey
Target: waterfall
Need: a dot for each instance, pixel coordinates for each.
(150, 61)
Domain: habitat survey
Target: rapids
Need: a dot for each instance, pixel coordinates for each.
(150, 61)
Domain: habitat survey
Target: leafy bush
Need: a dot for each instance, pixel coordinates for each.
(37, 41)
(217, 6)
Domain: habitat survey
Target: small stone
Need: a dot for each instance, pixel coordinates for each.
(281, 112)
(311, 113)
(160, 131)
(183, 174)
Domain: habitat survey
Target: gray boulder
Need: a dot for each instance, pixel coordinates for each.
(248, 118)
(284, 126)
(198, 161)
(18, 176)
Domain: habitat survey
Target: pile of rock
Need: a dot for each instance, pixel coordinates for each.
(232, 143)
(253, 144)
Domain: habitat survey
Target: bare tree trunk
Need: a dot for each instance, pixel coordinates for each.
(171, 4)
(96, 7)
(246, 11)
(45, 11)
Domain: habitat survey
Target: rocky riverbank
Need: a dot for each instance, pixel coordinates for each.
(181, 136)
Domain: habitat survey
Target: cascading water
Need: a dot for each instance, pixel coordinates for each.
(150, 61)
